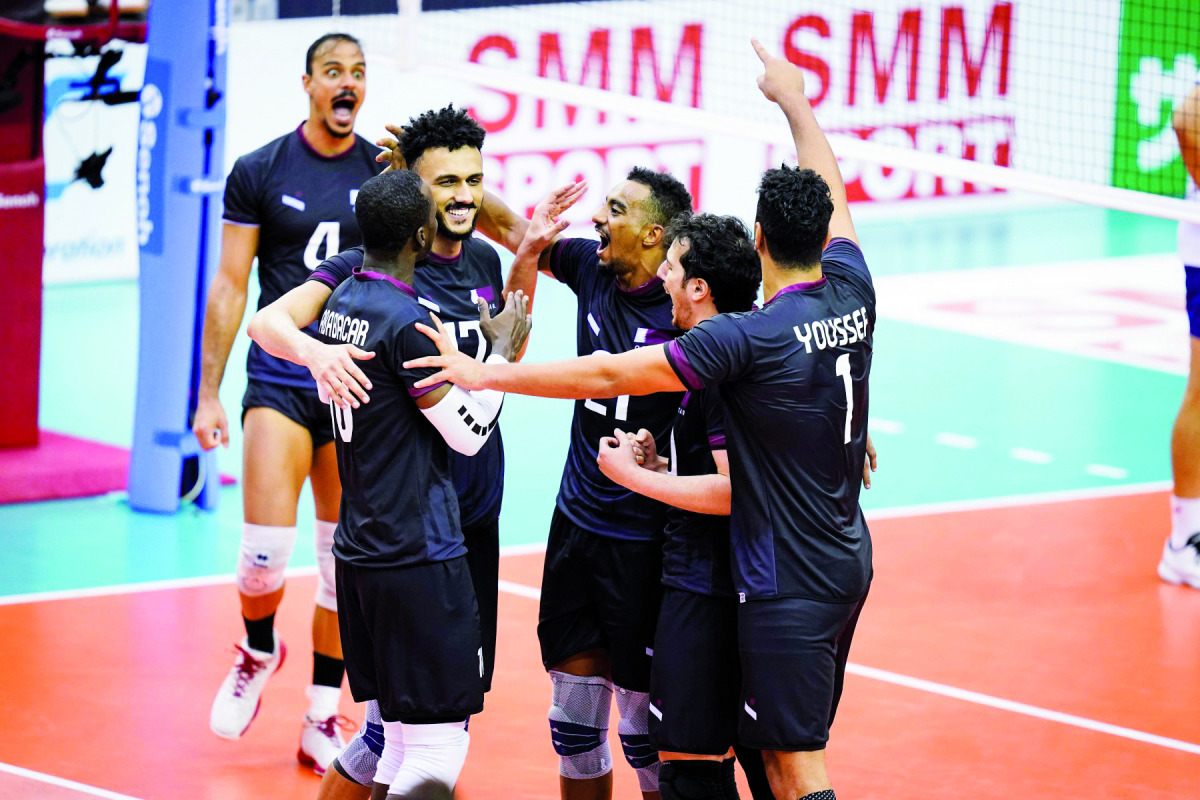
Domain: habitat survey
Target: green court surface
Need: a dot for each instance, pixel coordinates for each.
(955, 417)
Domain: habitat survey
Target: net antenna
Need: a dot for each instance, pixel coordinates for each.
(844, 145)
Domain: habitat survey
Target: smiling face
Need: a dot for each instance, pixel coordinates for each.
(456, 178)
(621, 224)
(671, 273)
(336, 87)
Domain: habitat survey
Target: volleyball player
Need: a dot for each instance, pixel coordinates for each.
(1180, 561)
(410, 624)
(793, 378)
(290, 204)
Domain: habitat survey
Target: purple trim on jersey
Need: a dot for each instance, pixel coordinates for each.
(434, 258)
(656, 336)
(643, 289)
(324, 276)
(363, 274)
(717, 442)
(317, 153)
(487, 293)
(795, 287)
(414, 393)
(683, 369)
(686, 396)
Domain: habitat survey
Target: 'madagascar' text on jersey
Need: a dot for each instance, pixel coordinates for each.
(612, 320)
(303, 205)
(696, 550)
(793, 379)
(448, 287)
(398, 502)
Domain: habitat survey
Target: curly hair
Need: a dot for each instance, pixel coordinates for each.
(319, 44)
(447, 127)
(669, 199)
(390, 209)
(721, 252)
(794, 208)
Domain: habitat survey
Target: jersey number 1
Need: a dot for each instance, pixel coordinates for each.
(842, 367)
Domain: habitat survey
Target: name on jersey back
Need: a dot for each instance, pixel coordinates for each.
(344, 328)
(834, 331)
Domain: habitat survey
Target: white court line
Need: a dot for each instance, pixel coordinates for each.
(83, 788)
(877, 425)
(956, 440)
(1105, 471)
(926, 509)
(1032, 456)
(968, 696)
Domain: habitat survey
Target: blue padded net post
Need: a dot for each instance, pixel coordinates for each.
(180, 169)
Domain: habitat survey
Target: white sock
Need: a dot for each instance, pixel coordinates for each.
(323, 701)
(1185, 520)
(393, 753)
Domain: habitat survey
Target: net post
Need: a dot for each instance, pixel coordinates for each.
(180, 171)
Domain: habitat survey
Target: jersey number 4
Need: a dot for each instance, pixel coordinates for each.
(328, 234)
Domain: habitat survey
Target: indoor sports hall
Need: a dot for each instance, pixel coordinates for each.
(1016, 189)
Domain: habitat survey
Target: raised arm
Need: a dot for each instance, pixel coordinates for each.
(1187, 130)
(222, 318)
(278, 329)
(783, 84)
(541, 231)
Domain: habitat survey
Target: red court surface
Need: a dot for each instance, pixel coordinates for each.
(1008, 616)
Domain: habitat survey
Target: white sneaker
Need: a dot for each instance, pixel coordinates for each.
(321, 741)
(66, 8)
(239, 697)
(1181, 565)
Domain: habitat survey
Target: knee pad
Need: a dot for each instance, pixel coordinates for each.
(326, 583)
(359, 759)
(697, 780)
(634, 730)
(264, 556)
(433, 757)
(579, 710)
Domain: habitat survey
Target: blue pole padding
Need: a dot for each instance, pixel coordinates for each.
(180, 171)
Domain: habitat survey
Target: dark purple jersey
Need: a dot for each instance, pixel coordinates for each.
(613, 320)
(303, 205)
(696, 550)
(398, 502)
(448, 287)
(793, 380)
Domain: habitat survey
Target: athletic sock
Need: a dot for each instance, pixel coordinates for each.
(327, 670)
(1185, 520)
(323, 701)
(260, 633)
(824, 794)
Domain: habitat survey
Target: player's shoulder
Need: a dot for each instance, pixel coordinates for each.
(479, 251)
(267, 154)
(844, 257)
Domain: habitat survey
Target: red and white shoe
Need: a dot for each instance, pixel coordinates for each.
(321, 741)
(237, 701)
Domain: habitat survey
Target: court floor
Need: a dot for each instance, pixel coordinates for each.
(1028, 366)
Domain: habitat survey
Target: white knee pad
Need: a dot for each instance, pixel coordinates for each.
(432, 754)
(264, 556)
(579, 711)
(326, 582)
(634, 731)
(393, 752)
(360, 757)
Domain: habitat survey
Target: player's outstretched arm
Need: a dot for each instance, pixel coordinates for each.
(703, 494)
(636, 372)
(1187, 129)
(222, 318)
(783, 84)
(543, 229)
(278, 329)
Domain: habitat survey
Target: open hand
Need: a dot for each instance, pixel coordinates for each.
(339, 379)
(391, 154)
(509, 329)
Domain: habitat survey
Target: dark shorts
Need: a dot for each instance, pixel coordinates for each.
(794, 655)
(696, 680)
(1192, 282)
(301, 406)
(483, 560)
(410, 638)
(600, 593)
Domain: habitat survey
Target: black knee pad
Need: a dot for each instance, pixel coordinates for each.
(697, 780)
